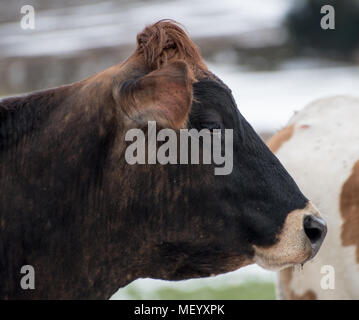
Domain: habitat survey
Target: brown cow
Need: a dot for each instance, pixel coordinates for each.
(88, 222)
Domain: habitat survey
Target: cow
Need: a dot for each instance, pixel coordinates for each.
(319, 149)
(88, 222)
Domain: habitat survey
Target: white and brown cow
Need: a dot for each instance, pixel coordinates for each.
(320, 149)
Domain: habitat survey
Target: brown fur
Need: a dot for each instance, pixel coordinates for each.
(349, 208)
(165, 95)
(165, 41)
(155, 83)
(275, 142)
(89, 223)
(62, 153)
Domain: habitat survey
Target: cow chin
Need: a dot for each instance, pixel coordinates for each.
(293, 246)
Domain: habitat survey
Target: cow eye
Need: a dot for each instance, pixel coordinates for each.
(210, 125)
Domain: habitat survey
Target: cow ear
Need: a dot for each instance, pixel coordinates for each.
(164, 95)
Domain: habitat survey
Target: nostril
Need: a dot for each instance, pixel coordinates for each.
(314, 228)
(313, 234)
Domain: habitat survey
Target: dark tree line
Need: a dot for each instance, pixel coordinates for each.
(307, 36)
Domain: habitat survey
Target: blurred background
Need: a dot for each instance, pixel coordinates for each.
(273, 54)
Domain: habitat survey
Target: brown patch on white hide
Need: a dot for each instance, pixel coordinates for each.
(349, 208)
(275, 142)
(287, 293)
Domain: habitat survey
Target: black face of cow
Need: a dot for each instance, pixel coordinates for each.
(259, 196)
(198, 223)
(259, 191)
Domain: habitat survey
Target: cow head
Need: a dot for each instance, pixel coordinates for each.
(186, 221)
(88, 220)
(178, 221)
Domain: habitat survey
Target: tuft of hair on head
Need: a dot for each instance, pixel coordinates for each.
(164, 41)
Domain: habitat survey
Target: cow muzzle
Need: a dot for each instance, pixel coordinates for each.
(298, 242)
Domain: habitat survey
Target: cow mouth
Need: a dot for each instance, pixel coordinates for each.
(281, 266)
(273, 263)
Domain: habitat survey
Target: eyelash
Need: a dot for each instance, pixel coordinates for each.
(210, 125)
